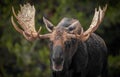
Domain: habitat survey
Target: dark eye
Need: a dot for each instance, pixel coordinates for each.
(50, 45)
(53, 59)
(67, 44)
(73, 41)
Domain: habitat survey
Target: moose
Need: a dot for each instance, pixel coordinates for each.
(74, 52)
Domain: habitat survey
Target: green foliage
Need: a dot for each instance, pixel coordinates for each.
(21, 58)
(114, 66)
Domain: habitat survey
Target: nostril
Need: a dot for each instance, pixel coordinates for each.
(62, 59)
(58, 61)
(53, 59)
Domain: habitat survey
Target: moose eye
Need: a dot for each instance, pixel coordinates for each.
(50, 44)
(67, 44)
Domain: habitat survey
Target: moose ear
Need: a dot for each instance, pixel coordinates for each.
(73, 26)
(48, 24)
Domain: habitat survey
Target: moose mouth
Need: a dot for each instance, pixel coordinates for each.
(57, 67)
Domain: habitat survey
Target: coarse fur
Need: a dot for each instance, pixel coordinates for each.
(74, 52)
(89, 59)
(82, 58)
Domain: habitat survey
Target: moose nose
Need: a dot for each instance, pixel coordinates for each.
(58, 55)
(58, 61)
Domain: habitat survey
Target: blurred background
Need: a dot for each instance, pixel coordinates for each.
(21, 58)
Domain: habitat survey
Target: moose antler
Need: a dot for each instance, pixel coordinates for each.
(26, 18)
(97, 19)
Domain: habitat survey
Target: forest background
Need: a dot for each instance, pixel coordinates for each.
(21, 58)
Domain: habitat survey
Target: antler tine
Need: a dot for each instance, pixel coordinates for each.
(25, 18)
(15, 26)
(97, 19)
(19, 21)
(14, 12)
(39, 30)
(102, 12)
(94, 23)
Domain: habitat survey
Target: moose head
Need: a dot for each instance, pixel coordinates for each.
(63, 37)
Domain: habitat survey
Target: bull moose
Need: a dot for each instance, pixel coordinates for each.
(74, 52)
